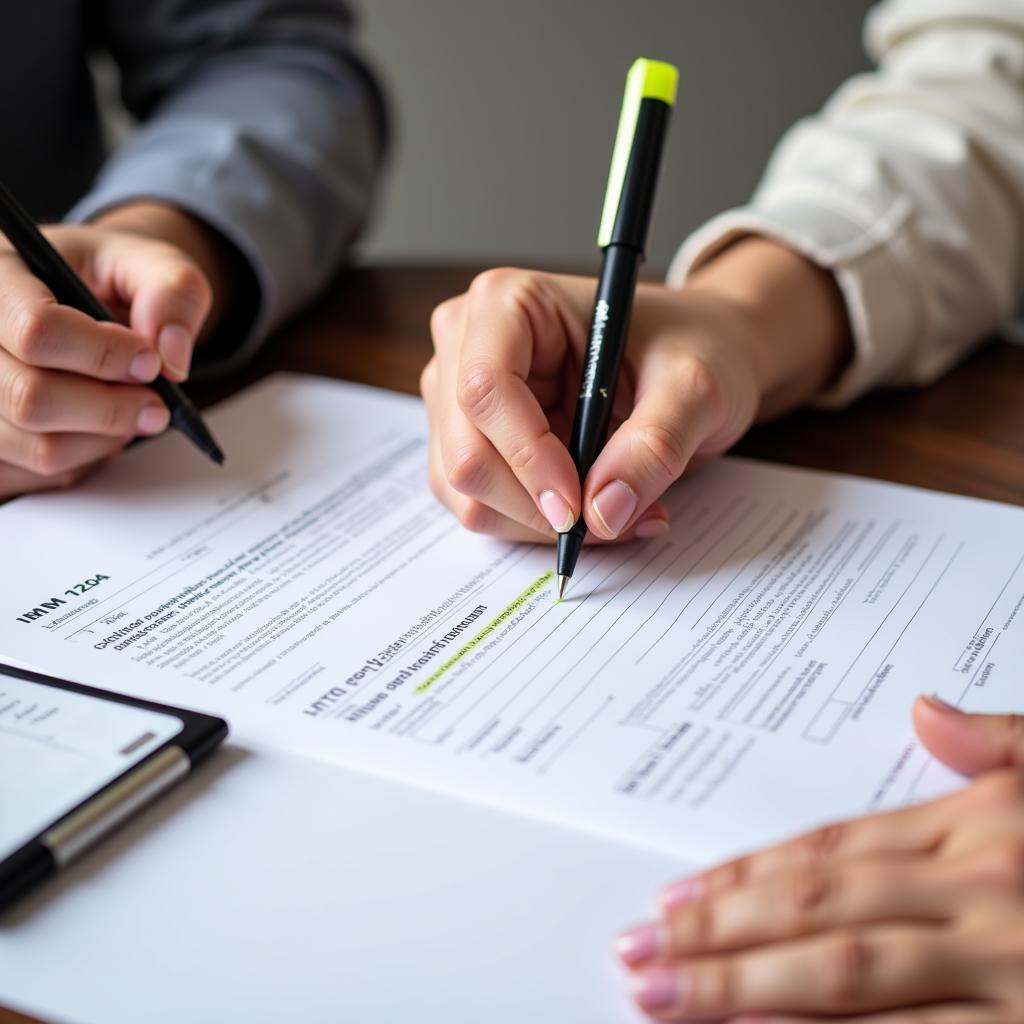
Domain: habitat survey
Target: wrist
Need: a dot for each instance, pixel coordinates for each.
(800, 329)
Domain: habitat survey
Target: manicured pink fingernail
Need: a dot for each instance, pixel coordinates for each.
(686, 890)
(614, 506)
(658, 990)
(153, 419)
(644, 942)
(648, 528)
(556, 511)
(145, 366)
(175, 344)
(940, 705)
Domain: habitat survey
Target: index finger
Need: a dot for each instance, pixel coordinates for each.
(40, 332)
(511, 328)
(848, 971)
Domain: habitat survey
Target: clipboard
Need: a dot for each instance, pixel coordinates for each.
(76, 762)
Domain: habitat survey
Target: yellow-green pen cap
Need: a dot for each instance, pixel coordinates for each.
(646, 80)
(657, 80)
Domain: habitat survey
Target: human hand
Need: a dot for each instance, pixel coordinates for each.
(911, 917)
(756, 332)
(72, 391)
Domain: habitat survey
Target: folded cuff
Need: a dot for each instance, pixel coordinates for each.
(868, 253)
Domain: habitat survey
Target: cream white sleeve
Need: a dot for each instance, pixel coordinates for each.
(909, 186)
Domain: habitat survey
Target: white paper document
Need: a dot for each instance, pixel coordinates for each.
(747, 675)
(271, 889)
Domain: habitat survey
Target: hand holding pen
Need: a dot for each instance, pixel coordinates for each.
(74, 390)
(756, 330)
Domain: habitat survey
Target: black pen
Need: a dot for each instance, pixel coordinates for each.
(648, 101)
(70, 290)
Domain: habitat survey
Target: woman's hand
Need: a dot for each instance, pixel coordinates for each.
(757, 331)
(72, 391)
(910, 917)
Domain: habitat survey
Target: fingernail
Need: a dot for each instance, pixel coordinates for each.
(175, 344)
(643, 942)
(657, 990)
(648, 528)
(556, 511)
(614, 506)
(153, 419)
(686, 890)
(940, 705)
(145, 366)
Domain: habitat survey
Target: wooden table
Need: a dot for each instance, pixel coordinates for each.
(965, 434)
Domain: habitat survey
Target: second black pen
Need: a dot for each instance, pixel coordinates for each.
(70, 290)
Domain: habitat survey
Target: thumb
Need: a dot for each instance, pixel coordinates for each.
(969, 744)
(647, 453)
(167, 294)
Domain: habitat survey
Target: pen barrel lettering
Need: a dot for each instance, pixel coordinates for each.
(608, 331)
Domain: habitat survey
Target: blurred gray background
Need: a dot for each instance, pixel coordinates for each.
(505, 113)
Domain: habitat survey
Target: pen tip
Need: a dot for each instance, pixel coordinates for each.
(562, 581)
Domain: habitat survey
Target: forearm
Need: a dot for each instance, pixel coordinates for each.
(909, 188)
(796, 313)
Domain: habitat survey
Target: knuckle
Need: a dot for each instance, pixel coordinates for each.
(32, 334)
(717, 986)
(469, 471)
(443, 319)
(476, 517)
(521, 457)
(804, 894)
(1001, 789)
(699, 382)
(824, 841)
(26, 398)
(702, 925)
(188, 282)
(1007, 949)
(496, 282)
(1015, 728)
(46, 455)
(477, 391)
(66, 480)
(427, 380)
(731, 875)
(518, 292)
(114, 419)
(1004, 865)
(663, 450)
(845, 966)
(104, 361)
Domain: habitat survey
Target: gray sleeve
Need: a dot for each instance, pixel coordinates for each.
(258, 118)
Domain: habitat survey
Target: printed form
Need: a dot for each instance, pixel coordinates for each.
(748, 675)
